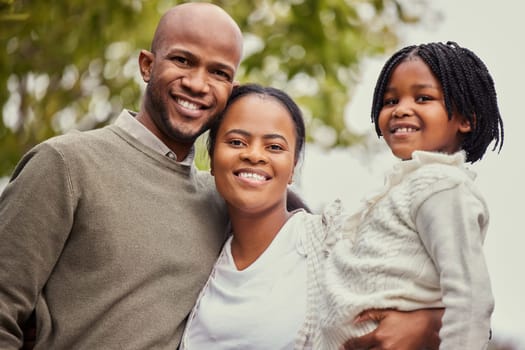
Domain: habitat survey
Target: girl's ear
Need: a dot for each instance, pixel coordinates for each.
(464, 125)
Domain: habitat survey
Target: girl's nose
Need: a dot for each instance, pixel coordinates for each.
(403, 109)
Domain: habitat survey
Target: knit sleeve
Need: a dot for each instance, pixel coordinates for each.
(36, 216)
(452, 222)
(334, 220)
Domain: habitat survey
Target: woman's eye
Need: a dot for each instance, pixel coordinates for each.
(236, 143)
(275, 148)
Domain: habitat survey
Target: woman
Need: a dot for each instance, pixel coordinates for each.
(262, 293)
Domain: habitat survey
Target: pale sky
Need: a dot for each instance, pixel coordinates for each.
(494, 31)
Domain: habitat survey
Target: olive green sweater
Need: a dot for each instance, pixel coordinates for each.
(109, 241)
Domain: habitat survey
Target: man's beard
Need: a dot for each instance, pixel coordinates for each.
(161, 117)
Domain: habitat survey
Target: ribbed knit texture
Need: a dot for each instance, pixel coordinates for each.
(321, 233)
(428, 221)
(109, 240)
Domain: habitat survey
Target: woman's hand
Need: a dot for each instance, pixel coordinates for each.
(400, 330)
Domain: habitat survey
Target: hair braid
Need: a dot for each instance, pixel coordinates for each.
(382, 82)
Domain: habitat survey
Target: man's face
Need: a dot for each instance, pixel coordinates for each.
(190, 76)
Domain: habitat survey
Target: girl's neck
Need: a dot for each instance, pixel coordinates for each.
(253, 233)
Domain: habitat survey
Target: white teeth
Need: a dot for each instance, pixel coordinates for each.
(187, 104)
(252, 176)
(405, 130)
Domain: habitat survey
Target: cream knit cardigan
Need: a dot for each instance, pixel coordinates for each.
(416, 244)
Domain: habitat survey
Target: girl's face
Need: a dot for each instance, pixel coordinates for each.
(414, 115)
(253, 159)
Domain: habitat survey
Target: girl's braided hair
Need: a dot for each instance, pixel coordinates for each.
(467, 86)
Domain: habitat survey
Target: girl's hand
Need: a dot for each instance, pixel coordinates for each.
(399, 330)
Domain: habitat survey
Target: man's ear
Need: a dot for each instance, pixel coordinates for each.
(145, 64)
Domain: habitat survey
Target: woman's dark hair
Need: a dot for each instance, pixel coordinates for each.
(467, 86)
(276, 94)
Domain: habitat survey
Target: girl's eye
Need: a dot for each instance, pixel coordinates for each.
(423, 98)
(389, 101)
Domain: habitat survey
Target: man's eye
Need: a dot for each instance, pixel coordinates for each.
(180, 59)
(223, 75)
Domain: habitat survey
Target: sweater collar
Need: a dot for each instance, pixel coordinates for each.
(127, 122)
(402, 169)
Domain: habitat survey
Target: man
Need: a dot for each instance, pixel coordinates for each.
(107, 236)
(110, 234)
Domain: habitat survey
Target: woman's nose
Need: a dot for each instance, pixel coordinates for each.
(254, 155)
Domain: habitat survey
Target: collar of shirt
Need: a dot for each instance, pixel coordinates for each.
(127, 122)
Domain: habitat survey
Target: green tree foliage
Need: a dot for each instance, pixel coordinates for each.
(73, 64)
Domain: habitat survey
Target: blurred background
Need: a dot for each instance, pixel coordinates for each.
(73, 65)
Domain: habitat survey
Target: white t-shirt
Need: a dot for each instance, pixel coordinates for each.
(260, 307)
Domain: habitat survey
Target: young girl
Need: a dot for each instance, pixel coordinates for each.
(418, 242)
(263, 291)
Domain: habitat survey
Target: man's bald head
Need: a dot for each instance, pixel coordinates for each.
(210, 16)
(190, 72)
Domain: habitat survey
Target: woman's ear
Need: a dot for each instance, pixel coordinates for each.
(145, 64)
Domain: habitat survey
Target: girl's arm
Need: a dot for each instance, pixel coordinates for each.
(452, 224)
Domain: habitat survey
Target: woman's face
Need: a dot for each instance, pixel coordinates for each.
(253, 159)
